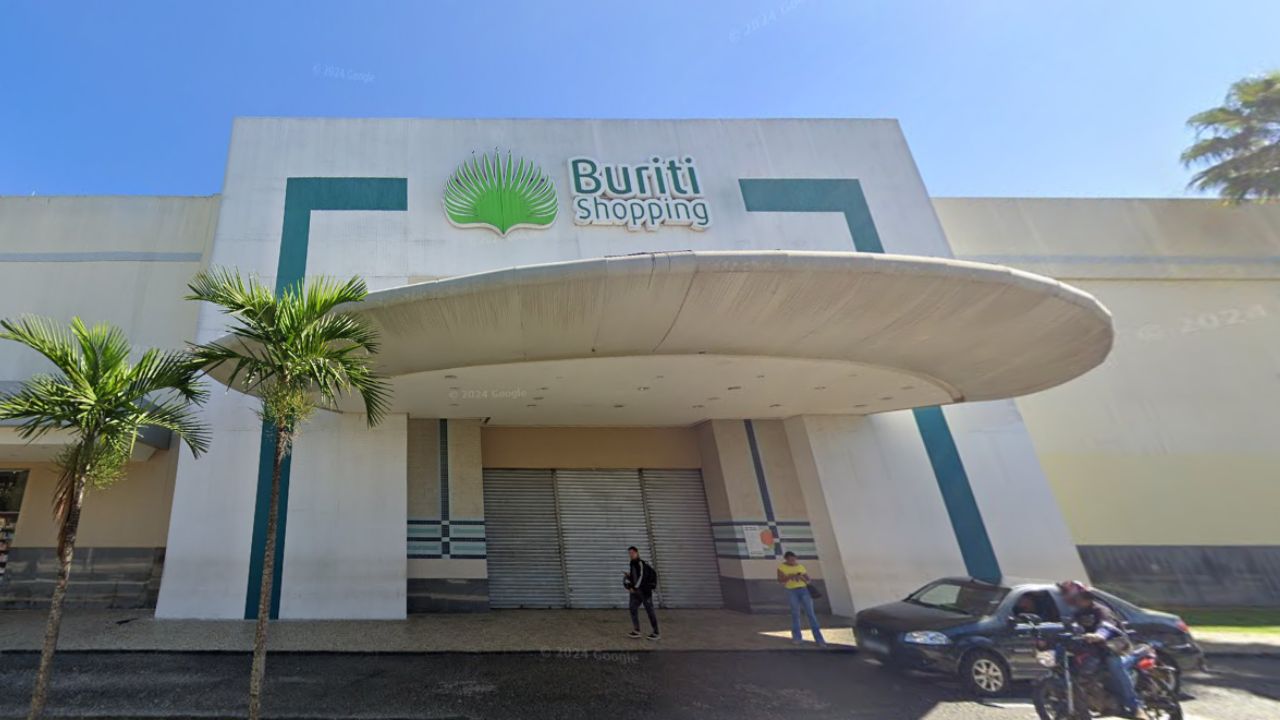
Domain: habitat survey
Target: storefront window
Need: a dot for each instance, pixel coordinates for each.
(12, 485)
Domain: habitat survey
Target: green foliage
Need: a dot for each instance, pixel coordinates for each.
(100, 397)
(1240, 142)
(293, 351)
(500, 195)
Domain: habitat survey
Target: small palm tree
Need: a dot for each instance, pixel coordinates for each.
(103, 400)
(1240, 141)
(296, 354)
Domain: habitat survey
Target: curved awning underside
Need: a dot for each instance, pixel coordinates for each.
(949, 330)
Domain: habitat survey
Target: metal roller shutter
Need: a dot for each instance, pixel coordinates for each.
(525, 562)
(684, 550)
(601, 514)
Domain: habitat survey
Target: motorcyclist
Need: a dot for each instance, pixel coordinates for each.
(1114, 648)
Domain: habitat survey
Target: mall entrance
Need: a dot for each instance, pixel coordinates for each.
(559, 538)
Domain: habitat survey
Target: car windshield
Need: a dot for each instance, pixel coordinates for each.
(959, 597)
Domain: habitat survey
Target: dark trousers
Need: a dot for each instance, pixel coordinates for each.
(639, 598)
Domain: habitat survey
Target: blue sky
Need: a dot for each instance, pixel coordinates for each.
(1014, 97)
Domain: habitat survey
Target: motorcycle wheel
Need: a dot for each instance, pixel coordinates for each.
(1166, 660)
(1050, 698)
(1160, 697)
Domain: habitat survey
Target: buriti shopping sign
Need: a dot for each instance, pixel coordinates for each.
(508, 193)
(649, 195)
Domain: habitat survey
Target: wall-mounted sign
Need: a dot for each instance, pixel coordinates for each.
(501, 195)
(649, 195)
(759, 541)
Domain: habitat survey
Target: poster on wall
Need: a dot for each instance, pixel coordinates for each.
(756, 547)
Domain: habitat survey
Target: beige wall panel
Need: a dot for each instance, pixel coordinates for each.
(424, 468)
(1174, 500)
(67, 256)
(713, 476)
(132, 513)
(1182, 417)
(780, 470)
(657, 448)
(1115, 238)
(136, 223)
(742, 492)
(466, 474)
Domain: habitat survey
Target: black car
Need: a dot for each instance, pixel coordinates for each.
(967, 627)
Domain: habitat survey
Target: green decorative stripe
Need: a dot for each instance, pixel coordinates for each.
(957, 494)
(845, 196)
(302, 196)
(799, 195)
(435, 538)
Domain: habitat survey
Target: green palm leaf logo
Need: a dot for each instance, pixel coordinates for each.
(500, 195)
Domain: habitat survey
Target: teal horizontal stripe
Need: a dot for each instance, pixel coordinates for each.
(102, 256)
(744, 556)
(739, 523)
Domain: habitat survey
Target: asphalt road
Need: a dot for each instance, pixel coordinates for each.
(669, 685)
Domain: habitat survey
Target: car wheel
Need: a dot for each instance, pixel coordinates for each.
(984, 673)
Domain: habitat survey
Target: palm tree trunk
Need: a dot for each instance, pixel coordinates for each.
(66, 549)
(259, 670)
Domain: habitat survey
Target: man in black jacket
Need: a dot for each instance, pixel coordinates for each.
(640, 582)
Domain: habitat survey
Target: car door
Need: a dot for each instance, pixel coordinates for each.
(1013, 640)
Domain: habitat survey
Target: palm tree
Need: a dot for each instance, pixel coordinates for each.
(1240, 141)
(296, 354)
(102, 400)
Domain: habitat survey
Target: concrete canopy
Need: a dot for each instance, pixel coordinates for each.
(680, 337)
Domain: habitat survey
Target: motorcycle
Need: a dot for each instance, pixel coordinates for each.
(1076, 686)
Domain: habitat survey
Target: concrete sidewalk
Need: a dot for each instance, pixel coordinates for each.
(1238, 643)
(544, 631)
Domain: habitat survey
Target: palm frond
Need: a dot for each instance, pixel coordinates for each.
(42, 403)
(296, 350)
(48, 338)
(1239, 142)
(159, 370)
(176, 417)
(98, 396)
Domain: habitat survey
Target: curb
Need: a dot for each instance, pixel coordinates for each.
(550, 653)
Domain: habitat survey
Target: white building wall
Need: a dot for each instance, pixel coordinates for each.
(344, 556)
(1025, 525)
(206, 569)
(1022, 518)
(885, 511)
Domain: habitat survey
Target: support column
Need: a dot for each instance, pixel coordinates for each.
(758, 511)
(448, 569)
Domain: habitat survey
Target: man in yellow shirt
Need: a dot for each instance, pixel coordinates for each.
(794, 578)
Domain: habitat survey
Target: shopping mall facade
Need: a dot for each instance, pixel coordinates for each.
(715, 340)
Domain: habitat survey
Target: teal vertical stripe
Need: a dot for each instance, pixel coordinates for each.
(302, 195)
(845, 196)
(957, 494)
